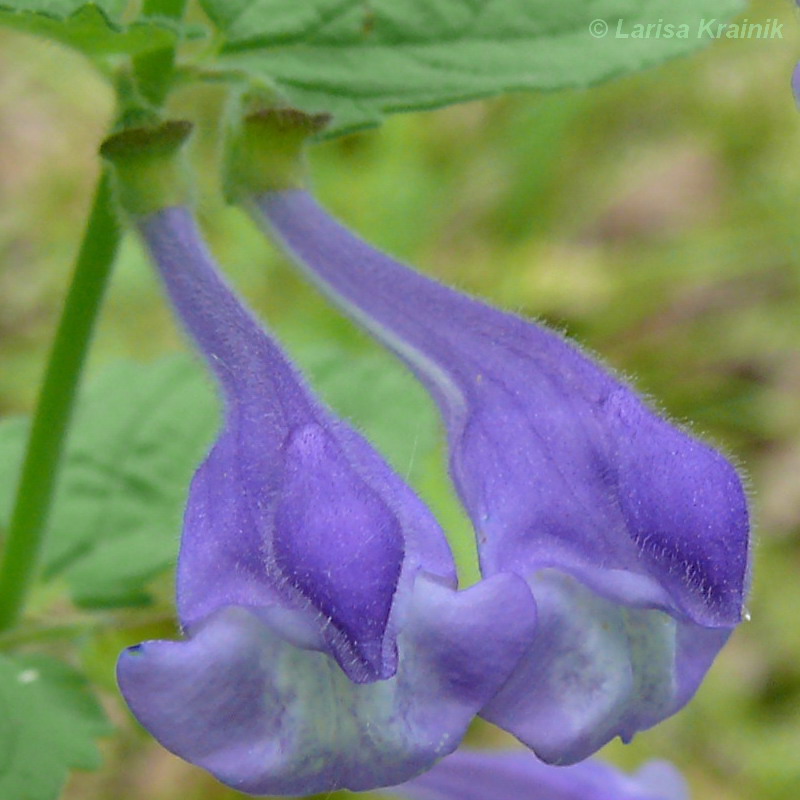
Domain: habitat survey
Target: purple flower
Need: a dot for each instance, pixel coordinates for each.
(511, 775)
(326, 645)
(632, 534)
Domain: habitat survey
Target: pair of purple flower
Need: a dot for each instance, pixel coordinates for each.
(327, 645)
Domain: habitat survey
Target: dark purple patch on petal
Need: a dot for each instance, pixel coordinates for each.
(339, 544)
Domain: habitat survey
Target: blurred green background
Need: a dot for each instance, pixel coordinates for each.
(655, 219)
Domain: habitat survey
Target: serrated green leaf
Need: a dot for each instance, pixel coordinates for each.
(64, 8)
(361, 59)
(95, 28)
(139, 435)
(49, 721)
(140, 432)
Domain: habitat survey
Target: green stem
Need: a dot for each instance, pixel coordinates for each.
(173, 9)
(154, 69)
(56, 400)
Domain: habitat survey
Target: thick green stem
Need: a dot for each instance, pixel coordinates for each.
(56, 399)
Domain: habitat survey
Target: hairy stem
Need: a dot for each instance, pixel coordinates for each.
(37, 482)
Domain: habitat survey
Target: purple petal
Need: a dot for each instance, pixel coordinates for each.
(467, 775)
(292, 508)
(595, 669)
(796, 84)
(561, 467)
(268, 717)
(321, 501)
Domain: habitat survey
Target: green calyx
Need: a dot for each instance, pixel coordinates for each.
(148, 166)
(265, 151)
